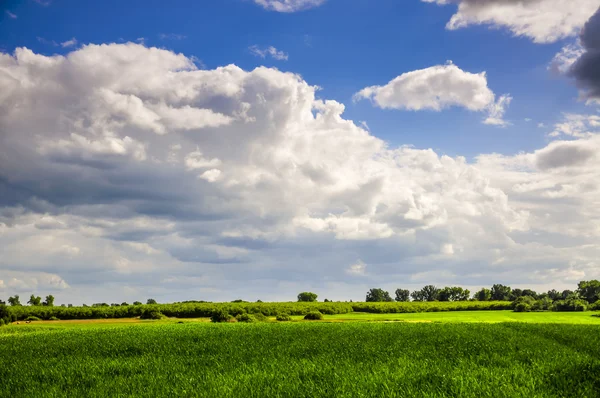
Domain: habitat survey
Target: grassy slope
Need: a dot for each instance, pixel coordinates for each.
(303, 359)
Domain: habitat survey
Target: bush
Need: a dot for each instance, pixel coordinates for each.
(32, 318)
(220, 316)
(248, 318)
(523, 304)
(571, 304)
(260, 317)
(2, 322)
(284, 317)
(53, 318)
(151, 314)
(313, 316)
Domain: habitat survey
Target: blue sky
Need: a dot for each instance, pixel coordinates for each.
(339, 47)
(153, 147)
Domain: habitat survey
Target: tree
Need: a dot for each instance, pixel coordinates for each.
(515, 294)
(483, 295)
(565, 294)
(308, 297)
(589, 290)
(402, 295)
(554, 295)
(137, 303)
(501, 292)
(151, 301)
(49, 302)
(14, 301)
(33, 300)
(455, 293)
(530, 293)
(427, 293)
(2, 302)
(378, 295)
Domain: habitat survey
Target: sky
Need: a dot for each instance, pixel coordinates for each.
(255, 149)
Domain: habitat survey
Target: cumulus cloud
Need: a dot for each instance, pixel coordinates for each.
(269, 51)
(103, 186)
(289, 5)
(436, 88)
(543, 21)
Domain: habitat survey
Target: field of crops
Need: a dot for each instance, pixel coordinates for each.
(199, 310)
(303, 360)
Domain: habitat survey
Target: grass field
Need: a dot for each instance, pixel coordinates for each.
(302, 359)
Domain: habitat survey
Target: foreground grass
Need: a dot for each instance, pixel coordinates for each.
(303, 360)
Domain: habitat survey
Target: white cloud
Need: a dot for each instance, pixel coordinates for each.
(69, 43)
(436, 88)
(496, 111)
(357, 269)
(271, 51)
(563, 60)
(543, 21)
(576, 125)
(10, 14)
(289, 5)
(107, 189)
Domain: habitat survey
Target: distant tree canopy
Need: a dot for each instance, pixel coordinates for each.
(151, 301)
(483, 295)
(378, 295)
(402, 295)
(427, 293)
(49, 301)
(454, 293)
(308, 297)
(589, 290)
(14, 300)
(34, 300)
(500, 292)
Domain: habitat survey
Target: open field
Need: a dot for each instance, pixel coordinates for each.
(347, 359)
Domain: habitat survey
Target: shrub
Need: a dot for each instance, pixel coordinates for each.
(260, 317)
(220, 316)
(53, 318)
(151, 314)
(1, 322)
(283, 317)
(523, 304)
(313, 316)
(595, 306)
(32, 318)
(245, 318)
(571, 304)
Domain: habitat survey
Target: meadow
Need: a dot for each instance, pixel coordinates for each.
(302, 359)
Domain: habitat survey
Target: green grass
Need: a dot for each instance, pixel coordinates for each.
(302, 359)
(586, 318)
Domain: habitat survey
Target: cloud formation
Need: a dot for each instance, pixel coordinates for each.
(586, 70)
(269, 51)
(437, 88)
(543, 21)
(289, 5)
(127, 169)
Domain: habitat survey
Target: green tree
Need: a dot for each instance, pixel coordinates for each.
(35, 301)
(151, 301)
(427, 293)
(455, 293)
(14, 300)
(530, 293)
(378, 295)
(402, 295)
(483, 295)
(308, 297)
(500, 292)
(565, 294)
(554, 295)
(49, 302)
(137, 303)
(589, 290)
